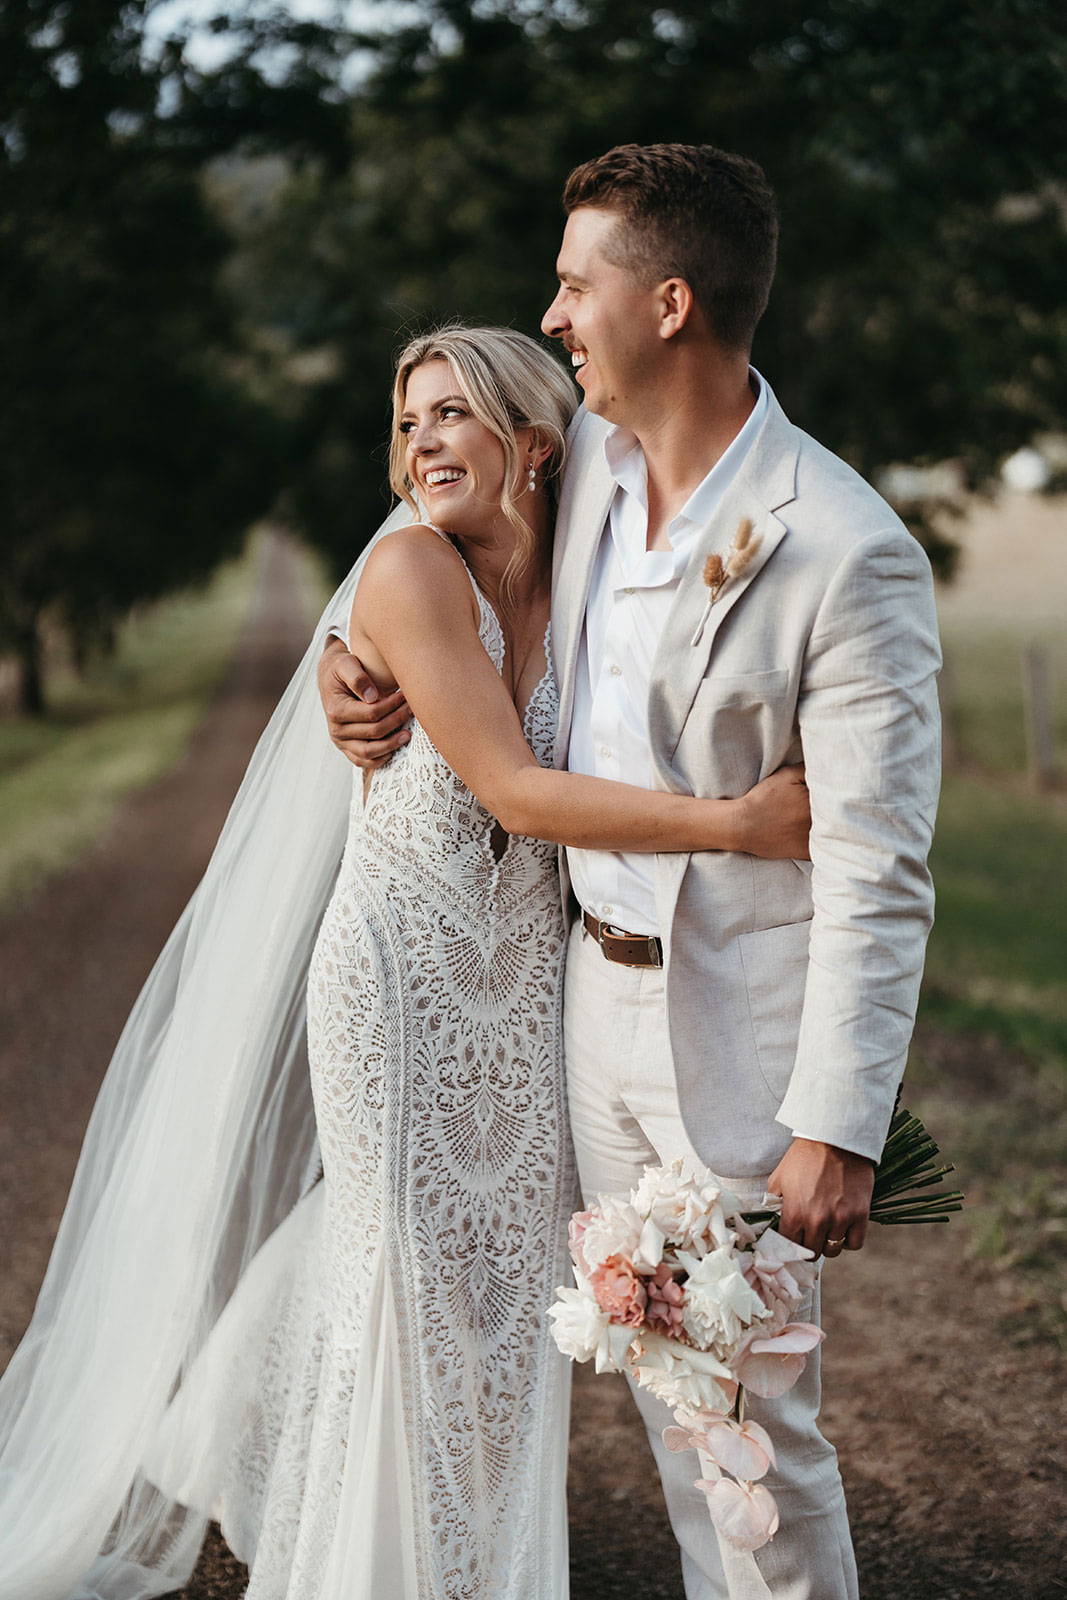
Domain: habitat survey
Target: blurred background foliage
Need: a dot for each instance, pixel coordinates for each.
(207, 270)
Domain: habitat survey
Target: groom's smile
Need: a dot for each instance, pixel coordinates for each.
(602, 313)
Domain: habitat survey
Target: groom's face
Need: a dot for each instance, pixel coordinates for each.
(606, 318)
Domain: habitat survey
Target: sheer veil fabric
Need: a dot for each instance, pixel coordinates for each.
(201, 1142)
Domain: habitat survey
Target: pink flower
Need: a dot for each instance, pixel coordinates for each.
(770, 1364)
(619, 1292)
(666, 1302)
(690, 1433)
(743, 1448)
(744, 1513)
(781, 1272)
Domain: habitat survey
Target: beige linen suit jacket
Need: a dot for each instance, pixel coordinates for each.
(791, 986)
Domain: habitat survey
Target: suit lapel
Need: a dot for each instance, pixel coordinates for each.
(585, 498)
(765, 482)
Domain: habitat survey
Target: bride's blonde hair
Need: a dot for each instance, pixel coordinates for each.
(510, 383)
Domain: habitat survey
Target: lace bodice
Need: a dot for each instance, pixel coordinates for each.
(418, 807)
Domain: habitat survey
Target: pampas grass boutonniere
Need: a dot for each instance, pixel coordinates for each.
(739, 557)
(714, 573)
(717, 572)
(743, 550)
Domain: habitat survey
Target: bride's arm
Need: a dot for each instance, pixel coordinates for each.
(416, 609)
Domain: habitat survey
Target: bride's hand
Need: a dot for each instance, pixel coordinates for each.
(775, 817)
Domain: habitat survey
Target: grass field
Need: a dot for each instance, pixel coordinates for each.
(996, 959)
(1010, 593)
(984, 679)
(998, 954)
(988, 1070)
(126, 724)
(989, 1067)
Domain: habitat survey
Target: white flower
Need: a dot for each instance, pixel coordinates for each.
(578, 1324)
(743, 1233)
(681, 1376)
(719, 1305)
(582, 1331)
(649, 1251)
(782, 1272)
(614, 1230)
(685, 1203)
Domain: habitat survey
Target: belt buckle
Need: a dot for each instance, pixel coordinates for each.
(655, 958)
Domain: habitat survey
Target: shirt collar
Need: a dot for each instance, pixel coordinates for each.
(626, 462)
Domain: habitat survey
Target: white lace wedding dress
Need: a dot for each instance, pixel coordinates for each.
(380, 1411)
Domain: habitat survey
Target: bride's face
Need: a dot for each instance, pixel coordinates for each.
(456, 464)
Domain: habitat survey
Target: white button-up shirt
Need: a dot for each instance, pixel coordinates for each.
(630, 595)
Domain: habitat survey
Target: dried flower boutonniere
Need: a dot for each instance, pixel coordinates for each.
(717, 572)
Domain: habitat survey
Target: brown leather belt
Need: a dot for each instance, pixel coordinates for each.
(628, 949)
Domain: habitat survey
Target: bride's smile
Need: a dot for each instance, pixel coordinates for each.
(454, 460)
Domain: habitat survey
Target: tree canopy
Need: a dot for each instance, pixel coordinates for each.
(207, 271)
(918, 311)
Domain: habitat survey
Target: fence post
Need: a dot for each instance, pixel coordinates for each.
(946, 695)
(1038, 718)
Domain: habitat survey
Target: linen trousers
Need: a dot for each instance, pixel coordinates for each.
(625, 1116)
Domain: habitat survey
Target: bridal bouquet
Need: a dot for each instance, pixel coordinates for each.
(696, 1300)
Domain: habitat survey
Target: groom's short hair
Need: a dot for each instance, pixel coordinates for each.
(694, 212)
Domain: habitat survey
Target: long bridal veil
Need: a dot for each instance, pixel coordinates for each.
(201, 1142)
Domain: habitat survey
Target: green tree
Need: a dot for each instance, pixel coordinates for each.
(914, 145)
(132, 456)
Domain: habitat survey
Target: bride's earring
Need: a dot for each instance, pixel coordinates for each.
(531, 479)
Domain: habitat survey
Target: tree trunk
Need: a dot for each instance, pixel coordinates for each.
(1038, 718)
(79, 651)
(31, 687)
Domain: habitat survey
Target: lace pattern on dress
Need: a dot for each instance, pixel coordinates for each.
(434, 1004)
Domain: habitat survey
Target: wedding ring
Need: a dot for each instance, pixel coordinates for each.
(836, 1243)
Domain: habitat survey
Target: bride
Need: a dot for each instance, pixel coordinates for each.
(352, 1373)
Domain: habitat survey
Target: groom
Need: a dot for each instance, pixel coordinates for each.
(727, 596)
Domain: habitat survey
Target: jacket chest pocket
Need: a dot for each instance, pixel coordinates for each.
(742, 689)
(738, 728)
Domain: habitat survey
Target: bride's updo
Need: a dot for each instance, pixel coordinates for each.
(510, 382)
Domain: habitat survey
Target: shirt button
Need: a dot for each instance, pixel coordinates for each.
(608, 910)
(616, 672)
(629, 591)
(605, 750)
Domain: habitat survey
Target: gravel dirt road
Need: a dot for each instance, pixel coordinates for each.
(950, 1432)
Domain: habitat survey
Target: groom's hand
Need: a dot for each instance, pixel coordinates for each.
(826, 1196)
(364, 725)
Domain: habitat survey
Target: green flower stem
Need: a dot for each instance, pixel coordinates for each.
(907, 1167)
